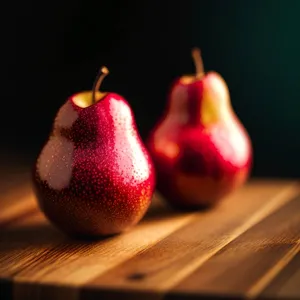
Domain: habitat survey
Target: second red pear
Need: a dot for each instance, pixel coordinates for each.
(200, 149)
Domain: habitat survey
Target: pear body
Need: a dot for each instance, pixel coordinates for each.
(94, 175)
(200, 149)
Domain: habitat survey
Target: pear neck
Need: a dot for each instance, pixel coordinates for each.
(194, 104)
(184, 104)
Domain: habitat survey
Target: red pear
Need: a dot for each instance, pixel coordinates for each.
(94, 175)
(200, 149)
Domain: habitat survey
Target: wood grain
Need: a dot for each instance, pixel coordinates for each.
(252, 260)
(163, 256)
(286, 284)
(169, 261)
(17, 199)
(40, 253)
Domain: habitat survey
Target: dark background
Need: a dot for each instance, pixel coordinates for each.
(54, 49)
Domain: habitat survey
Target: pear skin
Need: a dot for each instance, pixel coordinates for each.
(94, 175)
(201, 150)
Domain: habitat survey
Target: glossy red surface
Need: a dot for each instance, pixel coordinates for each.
(201, 151)
(94, 176)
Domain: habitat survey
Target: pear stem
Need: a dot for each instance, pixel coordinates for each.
(196, 54)
(101, 75)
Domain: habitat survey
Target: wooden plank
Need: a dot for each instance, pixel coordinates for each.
(16, 198)
(287, 283)
(24, 241)
(250, 262)
(13, 179)
(34, 252)
(165, 264)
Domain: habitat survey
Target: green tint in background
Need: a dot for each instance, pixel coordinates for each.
(254, 45)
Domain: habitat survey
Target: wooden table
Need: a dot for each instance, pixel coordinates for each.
(247, 247)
